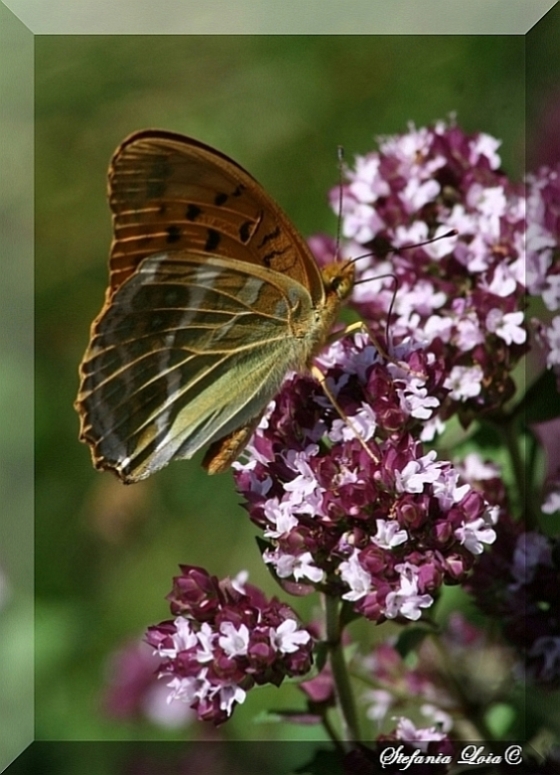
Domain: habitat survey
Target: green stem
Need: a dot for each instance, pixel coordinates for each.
(508, 427)
(341, 678)
(332, 733)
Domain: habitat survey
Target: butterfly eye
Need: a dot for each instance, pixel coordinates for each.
(338, 285)
(343, 281)
(339, 279)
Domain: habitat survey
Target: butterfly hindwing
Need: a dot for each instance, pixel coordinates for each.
(189, 350)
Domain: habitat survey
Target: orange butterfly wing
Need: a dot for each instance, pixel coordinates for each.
(169, 193)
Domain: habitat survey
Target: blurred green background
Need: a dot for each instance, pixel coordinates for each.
(106, 553)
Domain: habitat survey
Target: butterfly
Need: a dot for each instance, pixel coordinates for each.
(213, 298)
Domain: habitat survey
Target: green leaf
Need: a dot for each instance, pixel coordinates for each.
(347, 614)
(321, 655)
(499, 718)
(542, 401)
(409, 639)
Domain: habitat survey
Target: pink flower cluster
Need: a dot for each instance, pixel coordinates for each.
(431, 685)
(225, 638)
(132, 691)
(384, 527)
(461, 297)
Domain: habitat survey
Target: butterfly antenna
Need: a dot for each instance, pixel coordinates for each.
(394, 278)
(340, 157)
(389, 248)
(450, 233)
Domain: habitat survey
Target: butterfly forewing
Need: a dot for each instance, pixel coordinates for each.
(168, 192)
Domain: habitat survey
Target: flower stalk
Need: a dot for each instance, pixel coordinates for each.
(341, 678)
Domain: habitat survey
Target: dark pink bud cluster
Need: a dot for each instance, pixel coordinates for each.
(382, 527)
(226, 638)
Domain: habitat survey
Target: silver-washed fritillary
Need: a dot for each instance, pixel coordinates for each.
(213, 297)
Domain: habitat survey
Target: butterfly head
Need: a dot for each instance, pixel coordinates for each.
(339, 278)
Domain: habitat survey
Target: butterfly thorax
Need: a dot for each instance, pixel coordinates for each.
(338, 281)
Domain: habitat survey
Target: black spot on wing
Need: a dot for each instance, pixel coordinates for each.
(173, 233)
(192, 212)
(220, 199)
(267, 259)
(212, 240)
(245, 231)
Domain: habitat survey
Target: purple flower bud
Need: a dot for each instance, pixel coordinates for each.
(194, 592)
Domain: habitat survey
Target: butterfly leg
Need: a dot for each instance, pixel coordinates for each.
(381, 349)
(221, 454)
(320, 377)
(359, 325)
